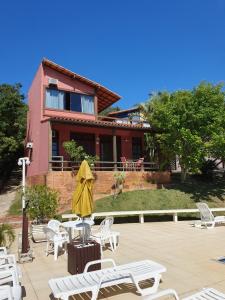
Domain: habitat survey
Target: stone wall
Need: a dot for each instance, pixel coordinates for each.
(65, 183)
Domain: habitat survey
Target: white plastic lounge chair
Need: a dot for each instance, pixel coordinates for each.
(10, 259)
(205, 294)
(207, 218)
(55, 241)
(8, 275)
(6, 292)
(135, 272)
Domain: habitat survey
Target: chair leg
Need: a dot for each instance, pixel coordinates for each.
(114, 241)
(65, 248)
(56, 247)
(111, 243)
(47, 246)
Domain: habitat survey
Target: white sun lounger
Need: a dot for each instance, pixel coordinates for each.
(207, 218)
(92, 281)
(205, 294)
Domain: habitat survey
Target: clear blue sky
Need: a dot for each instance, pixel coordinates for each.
(132, 47)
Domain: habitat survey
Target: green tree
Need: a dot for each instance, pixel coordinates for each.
(12, 126)
(189, 124)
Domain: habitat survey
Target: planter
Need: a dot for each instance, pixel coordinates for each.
(37, 232)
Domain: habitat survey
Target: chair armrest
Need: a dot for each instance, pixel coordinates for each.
(99, 261)
(161, 294)
(4, 250)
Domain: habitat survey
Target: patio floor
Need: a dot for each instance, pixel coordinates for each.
(188, 253)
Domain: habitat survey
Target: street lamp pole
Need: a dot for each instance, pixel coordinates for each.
(24, 161)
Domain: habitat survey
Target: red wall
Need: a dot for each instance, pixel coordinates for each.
(37, 131)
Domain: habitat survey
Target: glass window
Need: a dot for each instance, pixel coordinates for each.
(87, 104)
(69, 101)
(75, 102)
(54, 99)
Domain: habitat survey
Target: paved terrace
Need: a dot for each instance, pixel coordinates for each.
(187, 252)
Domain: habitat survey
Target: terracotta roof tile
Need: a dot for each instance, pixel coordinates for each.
(102, 123)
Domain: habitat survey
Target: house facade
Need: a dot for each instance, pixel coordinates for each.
(64, 106)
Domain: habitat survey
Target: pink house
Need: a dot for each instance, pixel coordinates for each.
(63, 106)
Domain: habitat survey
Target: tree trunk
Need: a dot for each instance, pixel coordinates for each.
(183, 174)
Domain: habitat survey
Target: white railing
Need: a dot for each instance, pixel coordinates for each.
(142, 213)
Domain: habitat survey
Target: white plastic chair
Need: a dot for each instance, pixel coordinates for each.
(105, 234)
(55, 240)
(3, 251)
(57, 227)
(207, 218)
(207, 293)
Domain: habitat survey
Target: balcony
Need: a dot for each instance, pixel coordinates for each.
(59, 164)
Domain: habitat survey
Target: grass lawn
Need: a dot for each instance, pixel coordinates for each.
(16, 207)
(176, 195)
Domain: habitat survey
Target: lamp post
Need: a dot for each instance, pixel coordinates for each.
(24, 161)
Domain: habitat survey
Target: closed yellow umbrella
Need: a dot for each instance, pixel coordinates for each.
(82, 203)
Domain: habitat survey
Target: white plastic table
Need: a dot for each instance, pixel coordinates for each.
(78, 225)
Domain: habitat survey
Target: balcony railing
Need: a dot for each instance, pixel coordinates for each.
(124, 121)
(59, 164)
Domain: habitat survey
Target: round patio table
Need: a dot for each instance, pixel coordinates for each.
(77, 225)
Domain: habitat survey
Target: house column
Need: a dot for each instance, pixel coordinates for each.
(96, 106)
(49, 145)
(97, 145)
(114, 150)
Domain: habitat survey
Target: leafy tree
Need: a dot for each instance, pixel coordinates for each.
(12, 126)
(77, 152)
(189, 124)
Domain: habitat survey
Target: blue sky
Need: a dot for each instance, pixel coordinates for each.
(132, 47)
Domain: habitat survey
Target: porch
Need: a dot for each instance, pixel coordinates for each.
(119, 146)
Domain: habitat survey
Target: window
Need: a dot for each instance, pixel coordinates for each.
(54, 99)
(69, 101)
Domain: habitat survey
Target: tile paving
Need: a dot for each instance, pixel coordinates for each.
(187, 252)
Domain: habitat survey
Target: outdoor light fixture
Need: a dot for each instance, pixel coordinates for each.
(26, 254)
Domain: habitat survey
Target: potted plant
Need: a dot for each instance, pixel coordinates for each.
(7, 235)
(119, 181)
(42, 205)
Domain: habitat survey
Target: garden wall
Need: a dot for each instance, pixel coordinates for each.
(65, 183)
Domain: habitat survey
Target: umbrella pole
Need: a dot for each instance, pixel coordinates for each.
(83, 230)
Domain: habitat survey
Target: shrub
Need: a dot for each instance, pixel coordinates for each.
(207, 168)
(42, 203)
(7, 235)
(77, 153)
(119, 177)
